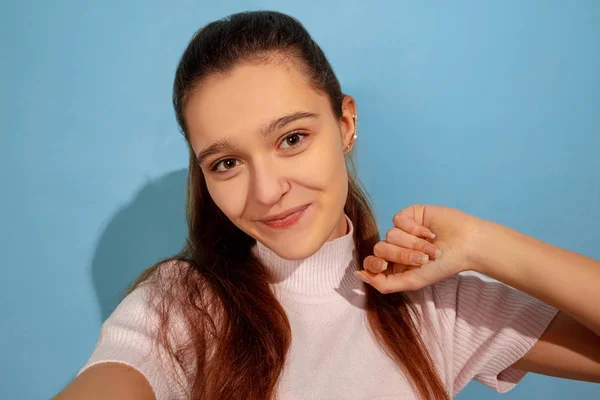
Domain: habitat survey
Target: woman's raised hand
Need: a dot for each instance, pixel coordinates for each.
(426, 244)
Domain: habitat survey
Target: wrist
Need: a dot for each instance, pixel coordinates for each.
(485, 242)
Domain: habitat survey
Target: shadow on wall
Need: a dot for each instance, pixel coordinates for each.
(148, 229)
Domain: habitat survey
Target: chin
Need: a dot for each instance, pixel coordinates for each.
(297, 244)
(291, 249)
(303, 239)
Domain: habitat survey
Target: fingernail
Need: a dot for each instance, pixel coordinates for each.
(383, 266)
(361, 276)
(438, 253)
(432, 235)
(419, 259)
(430, 250)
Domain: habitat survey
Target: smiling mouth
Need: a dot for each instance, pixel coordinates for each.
(286, 218)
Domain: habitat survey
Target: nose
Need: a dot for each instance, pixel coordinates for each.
(268, 183)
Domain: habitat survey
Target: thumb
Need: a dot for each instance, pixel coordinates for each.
(391, 283)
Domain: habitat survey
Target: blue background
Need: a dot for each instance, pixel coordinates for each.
(491, 107)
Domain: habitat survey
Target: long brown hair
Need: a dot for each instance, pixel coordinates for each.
(237, 332)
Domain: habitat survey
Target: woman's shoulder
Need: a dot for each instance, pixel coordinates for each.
(168, 271)
(150, 294)
(173, 286)
(144, 321)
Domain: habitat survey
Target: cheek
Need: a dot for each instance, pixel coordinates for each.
(325, 169)
(229, 197)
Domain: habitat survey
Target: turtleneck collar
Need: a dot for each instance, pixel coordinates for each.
(324, 273)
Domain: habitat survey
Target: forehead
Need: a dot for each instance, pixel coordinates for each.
(249, 96)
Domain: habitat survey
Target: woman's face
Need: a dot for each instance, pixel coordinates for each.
(271, 151)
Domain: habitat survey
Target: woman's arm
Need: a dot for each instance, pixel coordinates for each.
(570, 346)
(561, 278)
(108, 381)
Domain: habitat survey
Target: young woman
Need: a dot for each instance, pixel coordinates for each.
(267, 298)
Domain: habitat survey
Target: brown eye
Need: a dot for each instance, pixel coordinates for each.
(292, 140)
(225, 165)
(229, 163)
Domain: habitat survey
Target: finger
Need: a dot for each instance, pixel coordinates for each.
(392, 283)
(407, 223)
(400, 255)
(375, 264)
(404, 239)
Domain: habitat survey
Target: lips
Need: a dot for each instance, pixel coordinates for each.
(284, 214)
(286, 218)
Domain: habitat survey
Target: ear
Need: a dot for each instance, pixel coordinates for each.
(348, 123)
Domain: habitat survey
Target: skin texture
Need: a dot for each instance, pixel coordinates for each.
(261, 174)
(108, 381)
(410, 239)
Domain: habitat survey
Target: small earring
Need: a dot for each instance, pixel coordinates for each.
(351, 142)
(353, 136)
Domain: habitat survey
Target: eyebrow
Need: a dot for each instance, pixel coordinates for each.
(265, 130)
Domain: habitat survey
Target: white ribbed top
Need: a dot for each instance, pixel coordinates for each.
(473, 327)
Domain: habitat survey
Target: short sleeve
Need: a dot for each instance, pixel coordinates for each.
(490, 326)
(128, 337)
